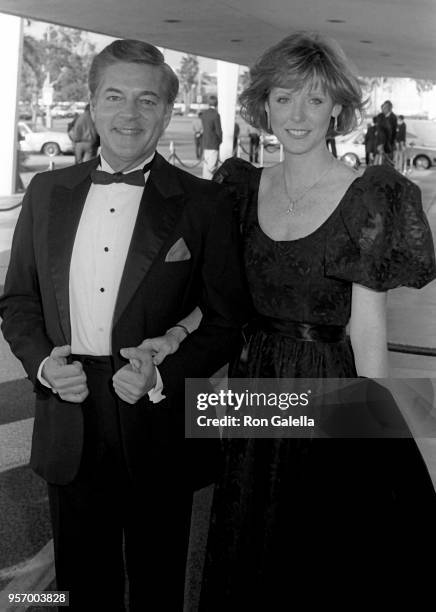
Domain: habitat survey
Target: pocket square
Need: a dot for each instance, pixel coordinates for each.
(178, 252)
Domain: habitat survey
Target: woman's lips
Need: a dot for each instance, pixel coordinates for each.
(298, 133)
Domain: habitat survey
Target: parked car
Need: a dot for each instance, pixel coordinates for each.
(62, 111)
(44, 141)
(351, 148)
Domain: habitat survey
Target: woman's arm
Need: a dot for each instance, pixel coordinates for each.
(162, 346)
(368, 332)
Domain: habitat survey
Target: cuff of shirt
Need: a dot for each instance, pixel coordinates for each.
(41, 379)
(155, 395)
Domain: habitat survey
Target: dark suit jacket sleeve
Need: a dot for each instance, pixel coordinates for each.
(20, 306)
(218, 129)
(225, 306)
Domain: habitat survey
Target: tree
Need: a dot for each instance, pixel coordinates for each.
(187, 74)
(424, 85)
(64, 53)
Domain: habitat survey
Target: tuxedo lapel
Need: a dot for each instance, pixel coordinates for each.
(66, 205)
(161, 205)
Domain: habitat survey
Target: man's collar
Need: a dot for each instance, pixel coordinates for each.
(105, 166)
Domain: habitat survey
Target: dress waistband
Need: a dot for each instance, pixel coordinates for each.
(301, 331)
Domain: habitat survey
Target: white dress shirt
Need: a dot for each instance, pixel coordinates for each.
(99, 255)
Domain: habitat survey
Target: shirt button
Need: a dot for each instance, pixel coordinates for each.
(102, 289)
(106, 249)
(112, 210)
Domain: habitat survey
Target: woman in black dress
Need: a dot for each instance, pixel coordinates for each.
(331, 520)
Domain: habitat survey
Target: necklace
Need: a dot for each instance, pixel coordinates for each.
(292, 201)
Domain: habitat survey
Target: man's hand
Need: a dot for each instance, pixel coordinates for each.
(68, 380)
(134, 380)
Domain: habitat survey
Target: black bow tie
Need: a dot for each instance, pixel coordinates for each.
(136, 178)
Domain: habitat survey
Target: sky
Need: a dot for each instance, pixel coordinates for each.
(173, 58)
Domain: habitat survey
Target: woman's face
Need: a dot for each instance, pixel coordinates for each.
(300, 118)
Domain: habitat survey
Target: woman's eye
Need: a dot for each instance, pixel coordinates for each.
(316, 101)
(282, 99)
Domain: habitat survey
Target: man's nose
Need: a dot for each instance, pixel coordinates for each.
(130, 108)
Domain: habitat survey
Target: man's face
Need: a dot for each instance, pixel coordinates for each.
(386, 108)
(130, 112)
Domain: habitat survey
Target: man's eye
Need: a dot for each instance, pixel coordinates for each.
(147, 102)
(113, 98)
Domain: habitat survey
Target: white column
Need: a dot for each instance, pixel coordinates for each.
(227, 78)
(10, 51)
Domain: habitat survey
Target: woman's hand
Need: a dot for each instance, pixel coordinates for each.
(161, 346)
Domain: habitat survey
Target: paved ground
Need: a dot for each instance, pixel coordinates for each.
(25, 546)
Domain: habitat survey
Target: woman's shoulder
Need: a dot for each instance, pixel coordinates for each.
(383, 179)
(240, 180)
(235, 171)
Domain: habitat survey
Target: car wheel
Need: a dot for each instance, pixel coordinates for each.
(51, 149)
(422, 162)
(351, 160)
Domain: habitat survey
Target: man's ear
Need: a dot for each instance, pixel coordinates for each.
(168, 115)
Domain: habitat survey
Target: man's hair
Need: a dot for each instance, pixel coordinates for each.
(401, 117)
(132, 52)
(304, 58)
(212, 100)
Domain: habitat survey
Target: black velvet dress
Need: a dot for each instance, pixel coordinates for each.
(333, 521)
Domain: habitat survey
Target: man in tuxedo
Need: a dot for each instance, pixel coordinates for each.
(106, 254)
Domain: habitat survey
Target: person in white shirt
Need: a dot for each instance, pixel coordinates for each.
(106, 254)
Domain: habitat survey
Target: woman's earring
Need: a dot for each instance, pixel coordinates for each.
(335, 123)
(268, 121)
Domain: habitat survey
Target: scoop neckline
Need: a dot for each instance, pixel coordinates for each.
(316, 230)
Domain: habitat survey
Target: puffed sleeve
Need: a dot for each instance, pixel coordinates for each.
(381, 237)
(237, 175)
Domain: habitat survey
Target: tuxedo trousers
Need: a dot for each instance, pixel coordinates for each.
(107, 526)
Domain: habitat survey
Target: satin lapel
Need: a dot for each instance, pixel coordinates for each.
(65, 210)
(157, 216)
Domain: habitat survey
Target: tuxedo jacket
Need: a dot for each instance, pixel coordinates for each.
(184, 252)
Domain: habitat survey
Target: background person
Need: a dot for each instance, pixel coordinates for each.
(388, 120)
(84, 136)
(370, 142)
(400, 145)
(197, 128)
(212, 137)
(382, 145)
(254, 138)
